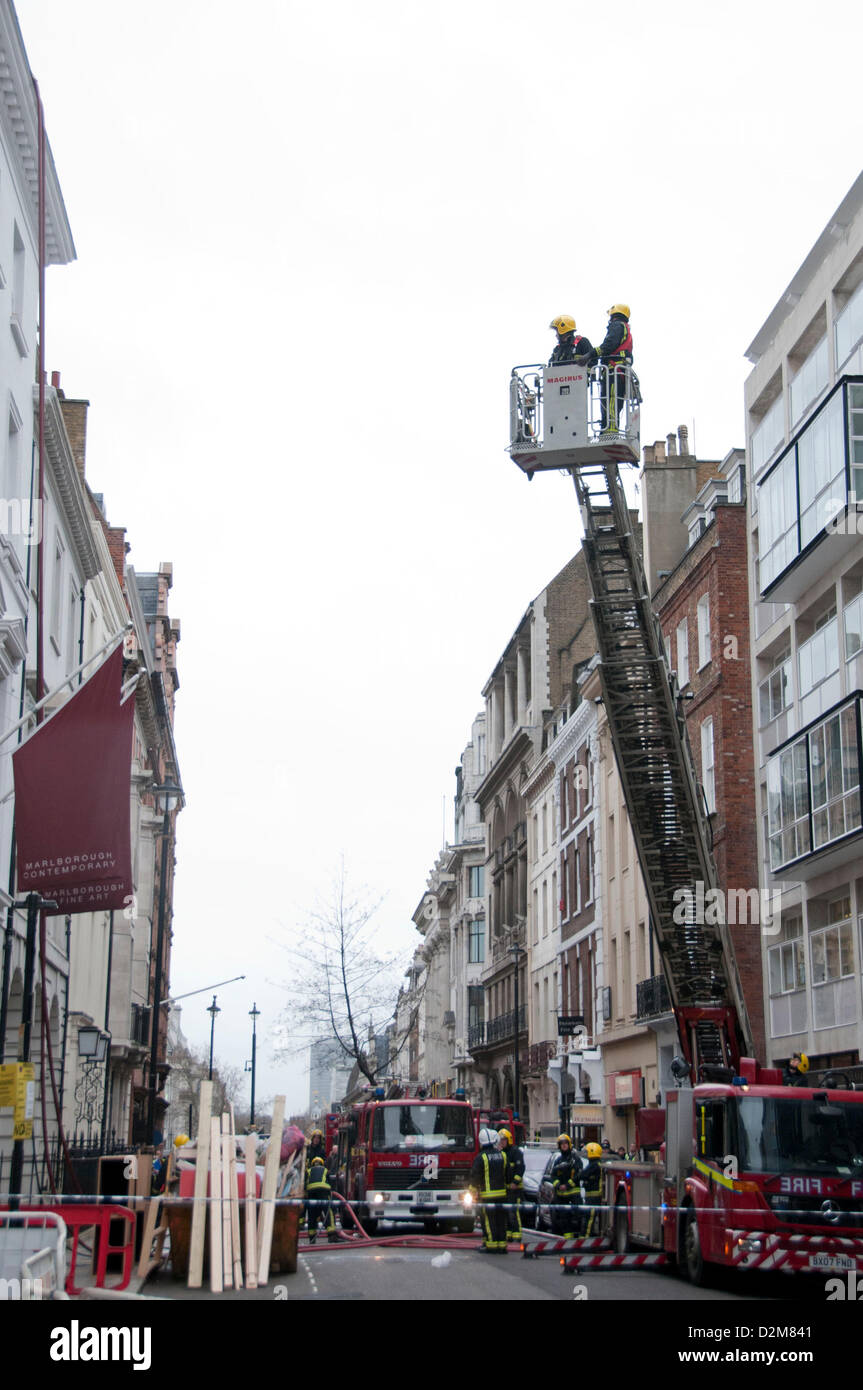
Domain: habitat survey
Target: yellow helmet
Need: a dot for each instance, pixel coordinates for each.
(620, 309)
(564, 323)
(594, 1151)
(180, 1140)
(504, 1134)
(561, 1138)
(803, 1064)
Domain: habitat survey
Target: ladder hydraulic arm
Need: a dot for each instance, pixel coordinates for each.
(649, 735)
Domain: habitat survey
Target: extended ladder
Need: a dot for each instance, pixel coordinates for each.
(651, 743)
(564, 417)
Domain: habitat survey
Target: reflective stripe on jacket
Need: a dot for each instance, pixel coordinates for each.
(489, 1169)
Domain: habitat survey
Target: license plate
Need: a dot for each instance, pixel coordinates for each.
(425, 1202)
(832, 1262)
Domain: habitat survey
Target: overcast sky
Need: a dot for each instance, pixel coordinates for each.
(312, 241)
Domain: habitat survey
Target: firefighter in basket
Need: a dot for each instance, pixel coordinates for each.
(615, 354)
(571, 346)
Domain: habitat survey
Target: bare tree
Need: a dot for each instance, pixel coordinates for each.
(189, 1067)
(343, 988)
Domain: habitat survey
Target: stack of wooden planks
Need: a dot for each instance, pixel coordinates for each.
(216, 1161)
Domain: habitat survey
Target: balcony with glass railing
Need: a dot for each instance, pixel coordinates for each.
(813, 796)
(811, 495)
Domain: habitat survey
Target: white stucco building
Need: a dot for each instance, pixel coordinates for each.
(804, 422)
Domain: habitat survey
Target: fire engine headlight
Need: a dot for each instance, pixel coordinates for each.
(750, 1245)
(467, 1199)
(378, 1199)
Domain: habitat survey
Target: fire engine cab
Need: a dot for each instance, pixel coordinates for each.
(408, 1160)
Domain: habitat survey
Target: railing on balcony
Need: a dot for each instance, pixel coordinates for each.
(537, 1057)
(497, 1030)
(501, 946)
(651, 997)
(139, 1027)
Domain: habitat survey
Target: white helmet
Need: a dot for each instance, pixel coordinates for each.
(487, 1138)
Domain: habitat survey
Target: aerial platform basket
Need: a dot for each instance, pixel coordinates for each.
(568, 415)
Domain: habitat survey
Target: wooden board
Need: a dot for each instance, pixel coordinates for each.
(151, 1255)
(268, 1194)
(227, 1258)
(215, 1205)
(251, 1214)
(199, 1211)
(235, 1207)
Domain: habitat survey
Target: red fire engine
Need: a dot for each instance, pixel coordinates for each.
(408, 1160)
(753, 1174)
(500, 1119)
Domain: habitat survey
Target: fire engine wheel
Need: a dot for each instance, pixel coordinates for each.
(621, 1229)
(693, 1259)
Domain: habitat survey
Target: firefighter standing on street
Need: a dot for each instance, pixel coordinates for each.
(317, 1148)
(615, 354)
(319, 1204)
(514, 1159)
(564, 1179)
(591, 1188)
(488, 1184)
(571, 346)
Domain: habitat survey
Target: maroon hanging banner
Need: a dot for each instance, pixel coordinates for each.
(72, 809)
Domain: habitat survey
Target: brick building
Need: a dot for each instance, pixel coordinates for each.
(702, 602)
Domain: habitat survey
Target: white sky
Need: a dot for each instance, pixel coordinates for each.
(312, 241)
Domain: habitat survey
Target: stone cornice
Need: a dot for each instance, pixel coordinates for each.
(539, 778)
(13, 645)
(505, 766)
(68, 491)
(576, 730)
(20, 122)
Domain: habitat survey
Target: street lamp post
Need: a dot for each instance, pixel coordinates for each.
(254, 1015)
(212, 1011)
(171, 795)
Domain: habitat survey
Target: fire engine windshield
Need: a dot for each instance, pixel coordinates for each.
(430, 1128)
(800, 1135)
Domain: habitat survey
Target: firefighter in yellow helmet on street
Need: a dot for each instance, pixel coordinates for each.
(591, 1189)
(488, 1185)
(319, 1200)
(564, 1180)
(514, 1159)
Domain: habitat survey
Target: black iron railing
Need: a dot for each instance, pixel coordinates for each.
(651, 997)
